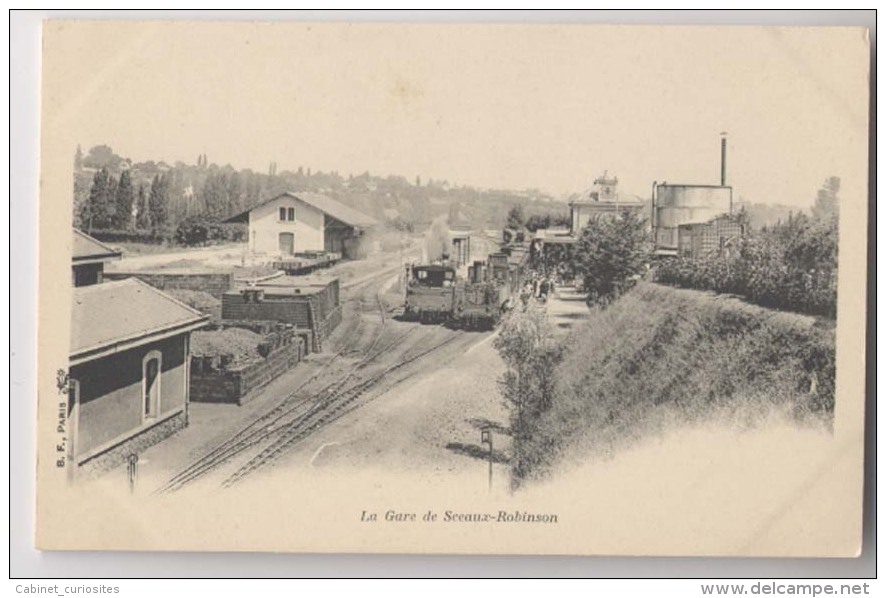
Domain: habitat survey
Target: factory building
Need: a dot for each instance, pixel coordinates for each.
(714, 236)
(677, 205)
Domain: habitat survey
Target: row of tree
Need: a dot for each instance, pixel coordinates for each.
(212, 192)
(115, 203)
(517, 224)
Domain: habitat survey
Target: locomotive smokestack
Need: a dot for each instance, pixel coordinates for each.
(723, 159)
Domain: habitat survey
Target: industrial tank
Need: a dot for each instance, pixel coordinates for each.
(686, 204)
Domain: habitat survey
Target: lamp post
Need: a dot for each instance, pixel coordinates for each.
(132, 471)
(486, 438)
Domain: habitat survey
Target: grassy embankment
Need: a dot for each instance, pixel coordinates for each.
(660, 357)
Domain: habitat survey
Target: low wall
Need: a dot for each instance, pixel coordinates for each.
(213, 283)
(118, 455)
(234, 385)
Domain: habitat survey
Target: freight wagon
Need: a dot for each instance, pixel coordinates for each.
(314, 306)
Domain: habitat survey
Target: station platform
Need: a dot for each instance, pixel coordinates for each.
(566, 308)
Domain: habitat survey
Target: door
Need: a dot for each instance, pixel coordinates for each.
(287, 243)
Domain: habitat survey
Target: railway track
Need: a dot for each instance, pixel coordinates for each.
(295, 407)
(324, 413)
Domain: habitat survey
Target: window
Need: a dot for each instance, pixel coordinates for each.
(151, 371)
(282, 214)
(290, 214)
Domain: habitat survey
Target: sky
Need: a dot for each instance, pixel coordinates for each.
(500, 106)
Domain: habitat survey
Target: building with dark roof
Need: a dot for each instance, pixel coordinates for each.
(300, 222)
(88, 257)
(129, 361)
(128, 376)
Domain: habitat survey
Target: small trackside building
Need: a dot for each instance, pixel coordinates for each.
(302, 222)
(128, 371)
(88, 259)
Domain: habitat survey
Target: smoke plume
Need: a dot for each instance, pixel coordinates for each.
(437, 239)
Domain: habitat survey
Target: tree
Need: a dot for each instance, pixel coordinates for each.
(158, 201)
(221, 195)
(81, 199)
(102, 156)
(612, 253)
(516, 220)
(98, 209)
(535, 222)
(826, 204)
(143, 212)
(78, 159)
(124, 199)
(527, 345)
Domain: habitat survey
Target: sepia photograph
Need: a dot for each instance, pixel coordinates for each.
(452, 288)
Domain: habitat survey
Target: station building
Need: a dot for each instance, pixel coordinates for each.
(302, 222)
(128, 369)
(604, 200)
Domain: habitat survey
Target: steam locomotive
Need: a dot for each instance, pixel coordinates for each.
(435, 293)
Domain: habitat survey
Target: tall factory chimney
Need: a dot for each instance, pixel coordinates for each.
(723, 159)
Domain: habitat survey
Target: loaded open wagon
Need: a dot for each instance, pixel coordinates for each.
(314, 306)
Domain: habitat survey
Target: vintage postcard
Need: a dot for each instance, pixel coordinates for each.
(452, 288)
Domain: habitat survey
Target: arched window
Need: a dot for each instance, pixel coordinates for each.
(152, 366)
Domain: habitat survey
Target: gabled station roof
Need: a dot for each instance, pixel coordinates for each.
(327, 205)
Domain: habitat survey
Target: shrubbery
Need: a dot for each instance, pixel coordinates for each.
(792, 265)
(199, 231)
(109, 235)
(190, 232)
